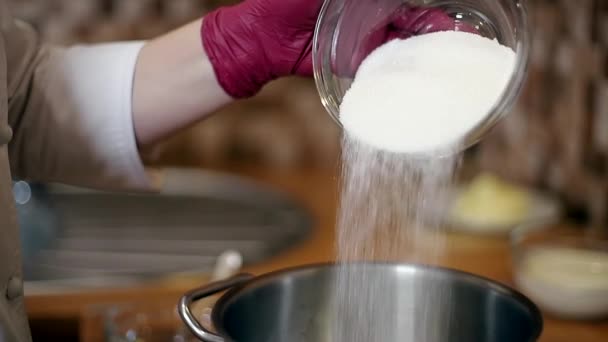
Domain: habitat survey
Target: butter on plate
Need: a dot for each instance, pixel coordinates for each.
(491, 203)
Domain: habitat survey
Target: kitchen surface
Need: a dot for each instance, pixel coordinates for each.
(255, 189)
(489, 256)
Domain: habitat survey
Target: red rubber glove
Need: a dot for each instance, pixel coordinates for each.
(375, 22)
(258, 41)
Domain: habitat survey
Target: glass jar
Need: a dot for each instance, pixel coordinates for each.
(341, 20)
(145, 322)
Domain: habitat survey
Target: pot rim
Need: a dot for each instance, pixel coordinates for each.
(504, 289)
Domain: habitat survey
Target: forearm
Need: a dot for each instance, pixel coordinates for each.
(174, 85)
(71, 115)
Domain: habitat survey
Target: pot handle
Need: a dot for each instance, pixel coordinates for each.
(208, 290)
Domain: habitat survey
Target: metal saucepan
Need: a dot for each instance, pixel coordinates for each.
(300, 304)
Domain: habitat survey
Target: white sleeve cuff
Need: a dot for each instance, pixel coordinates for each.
(101, 79)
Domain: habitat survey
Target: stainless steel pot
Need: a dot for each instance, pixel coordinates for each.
(294, 305)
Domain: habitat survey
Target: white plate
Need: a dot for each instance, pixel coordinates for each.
(542, 208)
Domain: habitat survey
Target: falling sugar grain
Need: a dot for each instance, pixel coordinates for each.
(412, 101)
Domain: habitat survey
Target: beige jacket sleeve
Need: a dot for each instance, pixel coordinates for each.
(70, 112)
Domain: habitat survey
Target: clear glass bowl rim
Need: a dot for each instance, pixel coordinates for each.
(501, 108)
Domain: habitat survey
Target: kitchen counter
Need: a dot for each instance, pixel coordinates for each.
(318, 192)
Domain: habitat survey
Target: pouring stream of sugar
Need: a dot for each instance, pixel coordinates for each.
(418, 96)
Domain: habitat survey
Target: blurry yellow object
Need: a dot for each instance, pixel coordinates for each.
(489, 201)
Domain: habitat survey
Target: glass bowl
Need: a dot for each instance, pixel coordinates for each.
(145, 322)
(340, 20)
(563, 268)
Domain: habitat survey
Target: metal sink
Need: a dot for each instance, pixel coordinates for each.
(106, 239)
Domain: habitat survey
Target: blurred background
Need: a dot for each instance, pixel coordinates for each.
(555, 143)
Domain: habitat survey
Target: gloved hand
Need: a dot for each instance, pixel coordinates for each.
(371, 23)
(257, 41)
